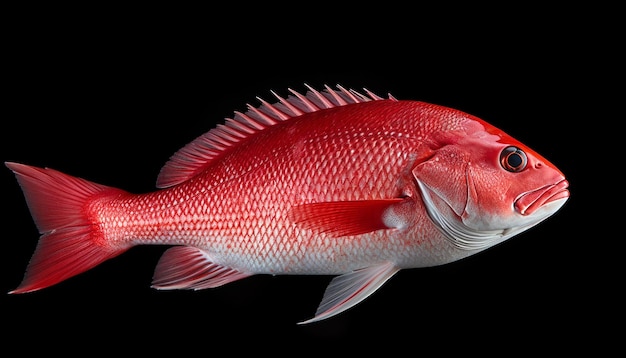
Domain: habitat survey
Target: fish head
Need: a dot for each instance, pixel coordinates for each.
(480, 186)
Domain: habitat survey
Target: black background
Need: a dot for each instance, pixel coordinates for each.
(110, 94)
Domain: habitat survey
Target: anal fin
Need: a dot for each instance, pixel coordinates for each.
(186, 267)
(347, 290)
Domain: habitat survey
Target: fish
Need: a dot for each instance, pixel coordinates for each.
(334, 182)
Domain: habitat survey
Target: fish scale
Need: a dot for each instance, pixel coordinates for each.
(333, 182)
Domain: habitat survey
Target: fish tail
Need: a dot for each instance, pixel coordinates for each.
(70, 241)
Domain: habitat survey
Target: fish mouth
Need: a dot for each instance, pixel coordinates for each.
(530, 201)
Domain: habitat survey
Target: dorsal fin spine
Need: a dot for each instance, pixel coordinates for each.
(340, 101)
(217, 137)
(289, 106)
(237, 125)
(349, 94)
(308, 104)
(324, 101)
(362, 97)
(262, 116)
(233, 134)
(372, 95)
(256, 125)
(271, 108)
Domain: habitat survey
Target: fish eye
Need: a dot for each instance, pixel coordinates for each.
(513, 159)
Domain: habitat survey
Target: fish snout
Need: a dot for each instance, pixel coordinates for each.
(531, 201)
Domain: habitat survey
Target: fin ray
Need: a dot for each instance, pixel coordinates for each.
(69, 243)
(186, 267)
(343, 218)
(347, 290)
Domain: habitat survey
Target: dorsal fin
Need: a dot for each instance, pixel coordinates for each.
(195, 156)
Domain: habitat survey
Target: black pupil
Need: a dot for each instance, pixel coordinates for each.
(514, 160)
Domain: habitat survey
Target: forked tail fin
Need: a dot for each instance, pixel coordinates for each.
(71, 241)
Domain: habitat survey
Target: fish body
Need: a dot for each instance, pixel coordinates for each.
(328, 183)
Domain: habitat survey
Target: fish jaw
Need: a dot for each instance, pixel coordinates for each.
(529, 202)
(537, 206)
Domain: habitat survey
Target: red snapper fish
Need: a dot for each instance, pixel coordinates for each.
(333, 182)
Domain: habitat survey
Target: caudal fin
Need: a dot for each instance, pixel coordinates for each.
(71, 242)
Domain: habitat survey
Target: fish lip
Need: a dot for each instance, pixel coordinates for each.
(530, 201)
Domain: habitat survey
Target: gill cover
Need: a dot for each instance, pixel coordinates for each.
(445, 183)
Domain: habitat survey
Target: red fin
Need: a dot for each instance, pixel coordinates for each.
(186, 267)
(68, 245)
(343, 218)
(349, 289)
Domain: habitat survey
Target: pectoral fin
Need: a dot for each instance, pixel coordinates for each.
(347, 290)
(344, 218)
